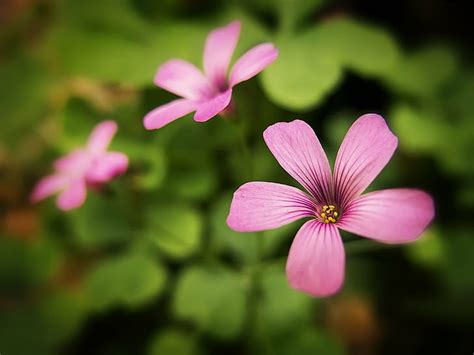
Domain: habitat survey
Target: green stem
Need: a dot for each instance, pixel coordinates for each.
(246, 152)
(255, 289)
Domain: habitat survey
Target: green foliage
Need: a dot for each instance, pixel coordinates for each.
(24, 265)
(105, 221)
(424, 72)
(366, 49)
(173, 341)
(282, 309)
(127, 280)
(176, 230)
(308, 341)
(212, 298)
(313, 75)
(152, 249)
(318, 56)
(428, 250)
(42, 325)
(24, 86)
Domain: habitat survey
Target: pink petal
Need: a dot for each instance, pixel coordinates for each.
(316, 261)
(72, 161)
(183, 79)
(366, 149)
(220, 46)
(299, 152)
(208, 109)
(101, 136)
(106, 167)
(253, 62)
(259, 206)
(165, 114)
(47, 186)
(389, 216)
(73, 195)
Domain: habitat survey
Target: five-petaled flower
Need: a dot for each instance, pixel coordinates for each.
(92, 165)
(316, 259)
(208, 93)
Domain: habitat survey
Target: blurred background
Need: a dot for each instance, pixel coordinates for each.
(148, 265)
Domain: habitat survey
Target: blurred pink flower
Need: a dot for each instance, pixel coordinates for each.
(92, 165)
(208, 93)
(333, 200)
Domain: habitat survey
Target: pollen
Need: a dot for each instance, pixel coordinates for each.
(328, 214)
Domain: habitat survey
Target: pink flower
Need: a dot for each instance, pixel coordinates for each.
(208, 93)
(92, 165)
(333, 200)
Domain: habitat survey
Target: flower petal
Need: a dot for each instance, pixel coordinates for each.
(316, 261)
(47, 186)
(220, 45)
(183, 79)
(101, 136)
(253, 62)
(73, 196)
(366, 149)
(260, 206)
(72, 161)
(167, 113)
(389, 216)
(299, 152)
(106, 167)
(208, 109)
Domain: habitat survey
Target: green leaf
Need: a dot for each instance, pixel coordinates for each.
(102, 221)
(307, 341)
(176, 230)
(428, 250)
(43, 325)
(127, 280)
(419, 132)
(197, 182)
(27, 265)
(173, 341)
(424, 72)
(458, 260)
(292, 12)
(303, 74)
(282, 308)
(363, 48)
(24, 89)
(214, 299)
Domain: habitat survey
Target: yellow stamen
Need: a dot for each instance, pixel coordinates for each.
(328, 214)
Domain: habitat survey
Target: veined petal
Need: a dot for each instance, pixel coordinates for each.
(167, 113)
(73, 195)
(252, 63)
(183, 79)
(47, 186)
(101, 136)
(106, 167)
(316, 261)
(258, 206)
(389, 216)
(299, 152)
(220, 45)
(210, 108)
(366, 149)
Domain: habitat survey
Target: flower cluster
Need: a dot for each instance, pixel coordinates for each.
(332, 200)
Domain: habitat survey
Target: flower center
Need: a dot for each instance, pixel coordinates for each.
(329, 214)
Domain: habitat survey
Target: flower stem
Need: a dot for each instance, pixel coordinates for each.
(255, 288)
